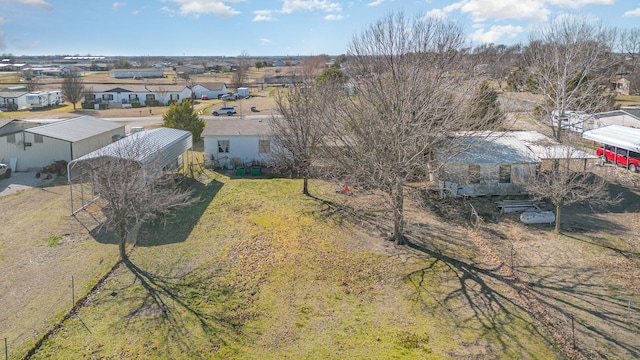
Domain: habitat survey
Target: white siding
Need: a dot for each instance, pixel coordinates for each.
(456, 178)
(38, 155)
(86, 146)
(244, 148)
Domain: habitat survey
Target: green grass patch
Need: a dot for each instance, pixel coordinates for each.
(54, 241)
(253, 271)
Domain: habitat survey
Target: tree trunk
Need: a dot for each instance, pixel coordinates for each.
(398, 214)
(122, 241)
(305, 185)
(557, 228)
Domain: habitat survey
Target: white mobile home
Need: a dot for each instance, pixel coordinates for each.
(42, 99)
(236, 141)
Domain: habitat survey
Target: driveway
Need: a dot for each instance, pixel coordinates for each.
(19, 181)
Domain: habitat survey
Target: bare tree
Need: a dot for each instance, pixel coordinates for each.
(629, 47)
(566, 182)
(242, 70)
(33, 84)
(569, 59)
(296, 133)
(412, 94)
(133, 188)
(73, 88)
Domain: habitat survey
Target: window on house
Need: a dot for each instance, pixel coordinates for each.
(11, 139)
(474, 174)
(175, 96)
(107, 97)
(223, 146)
(133, 97)
(37, 139)
(264, 146)
(505, 174)
(151, 97)
(90, 97)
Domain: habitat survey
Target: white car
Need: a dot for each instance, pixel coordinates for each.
(5, 171)
(229, 110)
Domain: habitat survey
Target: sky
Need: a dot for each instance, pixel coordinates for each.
(264, 27)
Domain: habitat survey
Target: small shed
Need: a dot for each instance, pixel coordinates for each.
(234, 141)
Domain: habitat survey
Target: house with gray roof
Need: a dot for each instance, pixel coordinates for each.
(236, 141)
(69, 139)
(124, 95)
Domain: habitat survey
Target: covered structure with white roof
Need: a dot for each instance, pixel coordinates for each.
(155, 151)
(615, 135)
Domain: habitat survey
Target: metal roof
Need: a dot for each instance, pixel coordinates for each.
(547, 148)
(496, 148)
(170, 143)
(73, 130)
(236, 126)
(616, 135)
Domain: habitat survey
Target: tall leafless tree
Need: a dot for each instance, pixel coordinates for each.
(629, 47)
(569, 60)
(133, 188)
(296, 134)
(242, 70)
(73, 88)
(412, 93)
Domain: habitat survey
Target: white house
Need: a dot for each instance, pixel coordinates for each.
(236, 141)
(68, 139)
(13, 100)
(616, 117)
(211, 90)
(126, 94)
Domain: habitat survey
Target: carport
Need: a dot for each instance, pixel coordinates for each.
(156, 151)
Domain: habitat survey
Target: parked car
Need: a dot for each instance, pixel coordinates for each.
(620, 156)
(229, 96)
(5, 171)
(204, 97)
(229, 110)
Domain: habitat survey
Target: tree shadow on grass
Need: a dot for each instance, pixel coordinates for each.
(187, 305)
(500, 299)
(172, 229)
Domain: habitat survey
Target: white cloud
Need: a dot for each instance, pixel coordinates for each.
(199, 7)
(375, 3)
(575, 4)
(481, 10)
(263, 15)
(135, 12)
(264, 41)
(635, 12)
(116, 5)
(291, 6)
(168, 11)
(37, 3)
(495, 33)
(436, 14)
(334, 17)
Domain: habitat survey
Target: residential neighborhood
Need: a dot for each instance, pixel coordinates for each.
(420, 194)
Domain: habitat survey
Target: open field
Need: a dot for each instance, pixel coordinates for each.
(256, 270)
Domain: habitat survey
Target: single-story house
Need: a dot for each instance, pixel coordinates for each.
(491, 165)
(69, 139)
(136, 73)
(232, 141)
(211, 90)
(494, 163)
(13, 100)
(123, 96)
(621, 86)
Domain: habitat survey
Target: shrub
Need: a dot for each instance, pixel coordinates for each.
(135, 104)
(103, 106)
(88, 105)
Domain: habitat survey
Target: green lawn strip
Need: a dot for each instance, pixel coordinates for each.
(256, 274)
